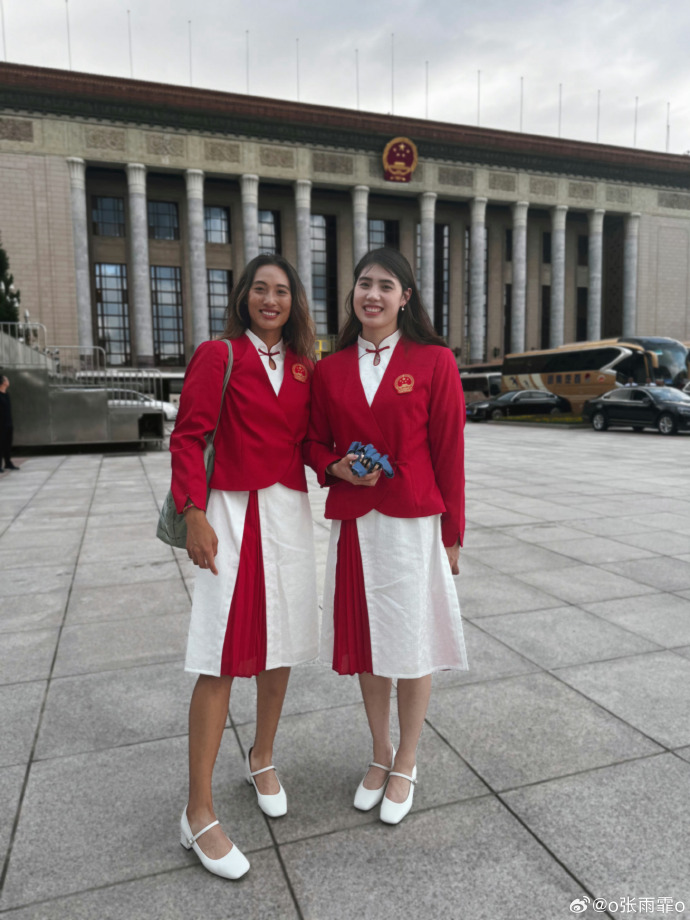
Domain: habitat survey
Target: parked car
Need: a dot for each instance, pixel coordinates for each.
(663, 408)
(517, 402)
(126, 398)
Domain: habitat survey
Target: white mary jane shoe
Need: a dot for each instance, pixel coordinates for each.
(275, 806)
(394, 812)
(233, 865)
(366, 799)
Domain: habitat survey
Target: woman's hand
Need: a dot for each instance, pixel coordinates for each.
(453, 553)
(202, 542)
(342, 469)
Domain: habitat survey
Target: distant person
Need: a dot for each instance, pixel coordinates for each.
(631, 382)
(6, 426)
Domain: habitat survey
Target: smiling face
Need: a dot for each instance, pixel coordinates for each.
(377, 299)
(269, 302)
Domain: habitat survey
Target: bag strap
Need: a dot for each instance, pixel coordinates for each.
(225, 386)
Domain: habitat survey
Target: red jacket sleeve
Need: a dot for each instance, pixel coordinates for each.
(446, 444)
(197, 415)
(318, 447)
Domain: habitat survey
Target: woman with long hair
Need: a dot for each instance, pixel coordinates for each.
(255, 609)
(390, 606)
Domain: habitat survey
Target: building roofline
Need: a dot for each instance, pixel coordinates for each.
(28, 88)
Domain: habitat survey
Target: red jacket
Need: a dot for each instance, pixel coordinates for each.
(417, 417)
(260, 435)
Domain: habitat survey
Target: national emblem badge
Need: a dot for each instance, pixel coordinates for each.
(404, 383)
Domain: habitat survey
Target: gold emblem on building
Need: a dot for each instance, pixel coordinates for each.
(399, 160)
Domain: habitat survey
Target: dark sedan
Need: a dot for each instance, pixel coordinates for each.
(663, 408)
(517, 402)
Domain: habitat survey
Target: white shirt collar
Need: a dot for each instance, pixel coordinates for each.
(260, 344)
(391, 341)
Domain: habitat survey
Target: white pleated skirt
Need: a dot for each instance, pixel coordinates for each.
(415, 624)
(287, 546)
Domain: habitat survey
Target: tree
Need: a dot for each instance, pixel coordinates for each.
(9, 295)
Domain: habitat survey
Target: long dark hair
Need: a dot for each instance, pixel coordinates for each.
(298, 332)
(413, 321)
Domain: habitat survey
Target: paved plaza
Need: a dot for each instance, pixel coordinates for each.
(556, 769)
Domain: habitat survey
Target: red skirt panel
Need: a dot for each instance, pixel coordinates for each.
(351, 639)
(244, 648)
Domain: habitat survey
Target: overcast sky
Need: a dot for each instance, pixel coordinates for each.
(624, 48)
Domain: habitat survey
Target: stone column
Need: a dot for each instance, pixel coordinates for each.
(519, 285)
(360, 221)
(303, 222)
(197, 255)
(77, 181)
(630, 247)
(427, 208)
(477, 279)
(557, 325)
(140, 282)
(596, 252)
(250, 216)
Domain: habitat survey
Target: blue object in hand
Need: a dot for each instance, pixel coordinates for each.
(369, 460)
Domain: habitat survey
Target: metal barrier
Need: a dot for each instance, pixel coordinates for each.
(23, 345)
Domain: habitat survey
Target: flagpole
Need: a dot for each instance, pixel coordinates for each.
(129, 33)
(189, 25)
(4, 40)
(297, 64)
(668, 127)
(357, 75)
(69, 43)
(560, 106)
(392, 73)
(246, 38)
(427, 90)
(521, 100)
(635, 123)
(598, 112)
(479, 86)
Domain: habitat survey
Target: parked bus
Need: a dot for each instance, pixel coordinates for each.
(670, 357)
(580, 371)
(480, 386)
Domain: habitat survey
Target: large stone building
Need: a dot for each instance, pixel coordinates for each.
(128, 207)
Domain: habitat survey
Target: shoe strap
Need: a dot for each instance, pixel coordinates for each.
(208, 827)
(381, 766)
(405, 776)
(263, 770)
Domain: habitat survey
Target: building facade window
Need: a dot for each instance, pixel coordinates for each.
(216, 224)
(112, 312)
(269, 232)
(324, 274)
(546, 247)
(545, 316)
(108, 216)
(384, 233)
(164, 222)
(509, 244)
(219, 287)
(581, 315)
(166, 301)
(582, 250)
(507, 317)
(442, 278)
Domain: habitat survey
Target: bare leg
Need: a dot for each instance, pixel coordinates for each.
(413, 702)
(270, 693)
(376, 693)
(207, 713)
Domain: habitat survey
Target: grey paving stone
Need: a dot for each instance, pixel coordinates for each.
(30, 556)
(469, 860)
(145, 516)
(98, 711)
(623, 830)
(109, 645)
(32, 611)
(595, 550)
(683, 752)
(151, 598)
(486, 538)
(524, 557)
(488, 659)
(320, 778)
(96, 574)
(611, 526)
(650, 692)
(42, 578)
(544, 533)
(127, 552)
(530, 728)
(684, 651)
(661, 618)
(663, 572)
(312, 686)
(563, 636)
(181, 894)
(27, 655)
(581, 583)
(481, 597)
(662, 541)
(96, 819)
(45, 528)
(20, 707)
(11, 782)
(490, 516)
